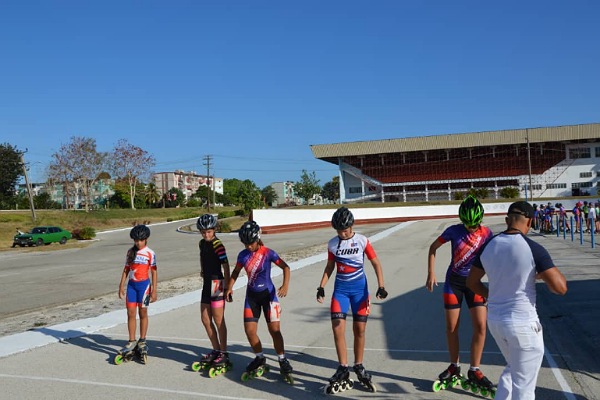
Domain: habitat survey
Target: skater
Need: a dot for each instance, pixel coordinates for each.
(261, 295)
(142, 279)
(467, 239)
(346, 252)
(214, 270)
(512, 263)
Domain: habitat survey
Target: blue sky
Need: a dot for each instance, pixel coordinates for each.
(255, 83)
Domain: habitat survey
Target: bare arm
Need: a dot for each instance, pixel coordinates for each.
(378, 271)
(474, 282)
(555, 280)
(154, 289)
(122, 284)
(431, 280)
(231, 282)
(282, 291)
(326, 274)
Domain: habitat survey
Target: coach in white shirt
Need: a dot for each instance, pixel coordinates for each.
(512, 263)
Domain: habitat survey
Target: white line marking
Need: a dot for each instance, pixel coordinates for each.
(568, 392)
(133, 387)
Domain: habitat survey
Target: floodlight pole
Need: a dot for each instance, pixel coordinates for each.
(529, 164)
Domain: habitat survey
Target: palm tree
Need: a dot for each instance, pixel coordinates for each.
(151, 194)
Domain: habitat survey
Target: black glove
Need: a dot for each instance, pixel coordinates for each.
(320, 292)
(381, 293)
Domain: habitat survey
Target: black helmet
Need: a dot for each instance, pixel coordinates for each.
(470, 211)
(140, 232)
(249, 232)
(206, 221)
(342, 219)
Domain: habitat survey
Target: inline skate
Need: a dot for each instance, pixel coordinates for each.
(205, 362)
(364, 377)
(220, 364)
(142, 350)
(126, 353)
(286, 370)
(477, 382)
(255, 369)
(340, 381)
(451, 377)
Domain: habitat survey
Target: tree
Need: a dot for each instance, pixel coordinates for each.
(11, 170)
(78, 162)
(241, 193)
(151, 194)
(131, 163)
(308, 186)
(331, 190)
(268, 195)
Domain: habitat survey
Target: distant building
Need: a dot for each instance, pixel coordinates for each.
(285, 193)
(555, 161)
(187, 182)
(102, 191)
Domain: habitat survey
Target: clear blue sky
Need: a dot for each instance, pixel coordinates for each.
(255, 83)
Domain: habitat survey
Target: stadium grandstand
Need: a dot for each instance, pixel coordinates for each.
(545, 162)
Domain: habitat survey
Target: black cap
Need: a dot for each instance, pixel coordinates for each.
(522, 208)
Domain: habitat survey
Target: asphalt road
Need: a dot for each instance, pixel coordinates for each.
(33, 280)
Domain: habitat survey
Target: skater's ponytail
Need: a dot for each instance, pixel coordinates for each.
(131, 255)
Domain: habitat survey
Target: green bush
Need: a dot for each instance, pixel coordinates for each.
(509, 192)
(224, 227)
(85, 233)
(226, 214)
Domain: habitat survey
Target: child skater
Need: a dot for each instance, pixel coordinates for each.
(467, 239)
(142, 279)
(261, 295)
(214, 270)
(346, 253)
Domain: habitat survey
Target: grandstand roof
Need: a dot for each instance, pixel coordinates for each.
(330, 152)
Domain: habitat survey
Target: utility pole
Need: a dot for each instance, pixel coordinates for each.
(28, 186)
(207, 160)
(529, 164)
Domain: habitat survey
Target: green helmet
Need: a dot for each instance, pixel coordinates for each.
(470, 211)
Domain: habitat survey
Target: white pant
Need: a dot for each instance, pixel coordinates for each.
(522, 345)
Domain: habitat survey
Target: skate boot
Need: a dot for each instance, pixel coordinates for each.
(205, 362)
(364, 377)
(220, 364)
(477, 382)
(142, 350)
(126, 353)
(256, 368)
(340, 381)
(286, 370)
(449, 377)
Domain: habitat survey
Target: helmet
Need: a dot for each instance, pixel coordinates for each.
(206, 221)
(342, 219)
(249, 232)
(140, 232)
(470, 211)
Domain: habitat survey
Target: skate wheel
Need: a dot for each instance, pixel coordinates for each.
(474, 389)
(465, 385)
(328, 389)
(144, 359)
(213, 372)
(335, 388)
(343, 386)
(259, 372)
(437, 386)
(455, 381)
(493, 393)
(350, 384)
(484, 392)
(245, 377)
(118, 359)
(196, 366)
(289, 379)
(372, 387)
